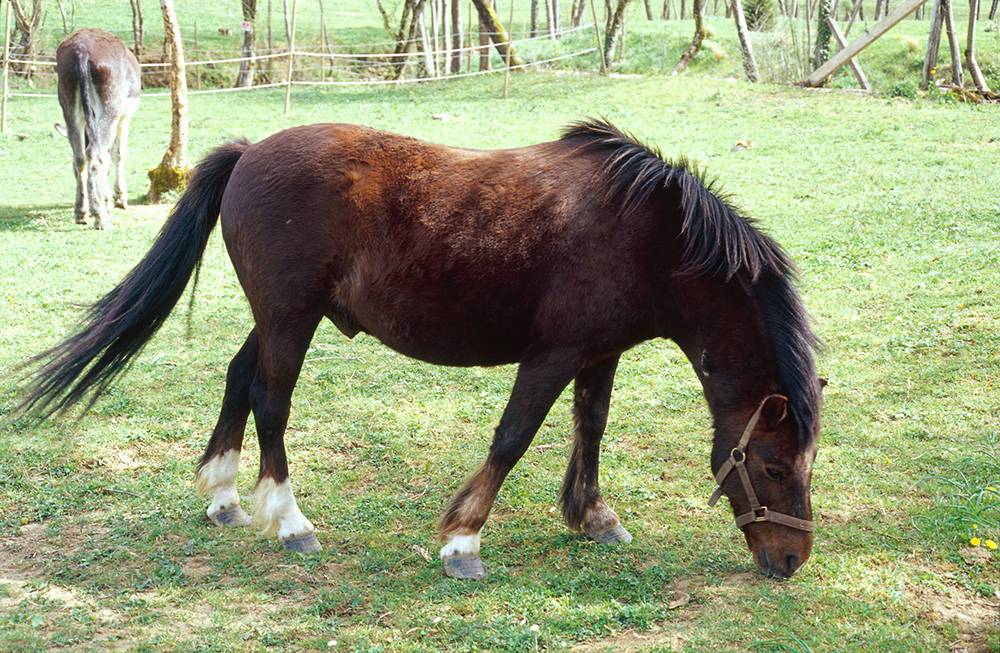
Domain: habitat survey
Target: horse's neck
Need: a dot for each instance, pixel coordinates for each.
(721, 332)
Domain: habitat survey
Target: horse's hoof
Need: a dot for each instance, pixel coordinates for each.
(232, 517)
(80, 219)
(307, 543)
(121, 204)
(612, 535)
(464, 567)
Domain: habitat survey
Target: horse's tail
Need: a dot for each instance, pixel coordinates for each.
(117, 327)
(87, 108)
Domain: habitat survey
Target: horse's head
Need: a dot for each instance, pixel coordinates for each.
(763, 464)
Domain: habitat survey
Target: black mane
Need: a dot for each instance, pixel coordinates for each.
(720, 242)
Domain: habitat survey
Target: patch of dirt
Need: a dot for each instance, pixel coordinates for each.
(630, 641)
(974, 616)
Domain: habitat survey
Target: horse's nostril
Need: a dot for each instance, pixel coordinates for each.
(792, 563)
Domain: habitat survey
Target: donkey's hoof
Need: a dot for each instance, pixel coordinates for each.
(121, 204)
(611, 535)
(80, 219)
(464, 567)
(233, 517)
(307, 543)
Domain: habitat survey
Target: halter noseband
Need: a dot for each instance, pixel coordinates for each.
(737, 460)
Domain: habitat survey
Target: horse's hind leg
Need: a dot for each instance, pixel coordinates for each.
(283, 346)
(583, 507)
(539, 382)
(216, 475)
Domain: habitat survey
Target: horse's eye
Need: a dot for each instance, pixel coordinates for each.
(774, 473)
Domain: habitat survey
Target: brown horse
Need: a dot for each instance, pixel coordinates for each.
(99, 92)
(558, 257)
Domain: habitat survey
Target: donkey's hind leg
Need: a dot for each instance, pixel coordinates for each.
(216, 475)
(282, 350)
(582, 505)
(539, 382)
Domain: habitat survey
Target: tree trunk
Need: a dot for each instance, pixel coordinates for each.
(699, 36)
(27, 26)
(614, 30)
(245, 78)
(993, 9)
(173, 171)
(484, 42)
(136, 28)
(933, 43)
(579, 6)
(405, 43)
(749, 62)
(501, 40)
(649, 9)
(556, 18)
(970, 50)
(956, 55)
(456, 36)
(550, 27)
(822, 51)
(288, 25)
(533, 30)
(62, 14)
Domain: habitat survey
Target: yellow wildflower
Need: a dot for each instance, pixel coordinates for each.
(975, 527)
(991, 545)
(975, 541)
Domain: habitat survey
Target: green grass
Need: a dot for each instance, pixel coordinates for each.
(889, 206)
(652, 47)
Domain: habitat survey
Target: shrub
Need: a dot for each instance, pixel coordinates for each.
(905, 88)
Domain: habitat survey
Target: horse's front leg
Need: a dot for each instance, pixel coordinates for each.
(540, 379)
(583, 507)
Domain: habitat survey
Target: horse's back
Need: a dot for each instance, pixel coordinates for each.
(449, 255)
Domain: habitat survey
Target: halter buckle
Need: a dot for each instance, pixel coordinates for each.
(742, 455)
(760, 517)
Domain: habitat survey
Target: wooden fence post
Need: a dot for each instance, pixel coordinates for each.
(291, 60)
(6, 71)
(597, 39)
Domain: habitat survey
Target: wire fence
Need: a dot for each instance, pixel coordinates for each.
(410, 62)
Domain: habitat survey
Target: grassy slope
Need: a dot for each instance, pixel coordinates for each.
(891, 209)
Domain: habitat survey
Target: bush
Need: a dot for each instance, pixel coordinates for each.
(905, 89)
(760, 14)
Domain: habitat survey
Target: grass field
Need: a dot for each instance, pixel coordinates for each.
(891, 209)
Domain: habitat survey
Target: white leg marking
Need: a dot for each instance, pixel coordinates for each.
(461, 545)
(218, 478)
(275, 511)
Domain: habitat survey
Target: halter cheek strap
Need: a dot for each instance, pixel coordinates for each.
(737, 460)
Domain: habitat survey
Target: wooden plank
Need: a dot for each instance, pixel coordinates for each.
(855, 66)
(820, 75)
(933, 43)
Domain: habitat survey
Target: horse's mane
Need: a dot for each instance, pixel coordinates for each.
(720, 242)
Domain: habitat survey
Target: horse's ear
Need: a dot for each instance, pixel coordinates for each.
(822, 383)
(775, 411)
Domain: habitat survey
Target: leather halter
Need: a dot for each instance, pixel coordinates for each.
(737, 460)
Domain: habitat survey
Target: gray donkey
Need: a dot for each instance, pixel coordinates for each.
(99, 82)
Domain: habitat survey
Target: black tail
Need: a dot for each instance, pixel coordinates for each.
(86, 105)
(118, 326)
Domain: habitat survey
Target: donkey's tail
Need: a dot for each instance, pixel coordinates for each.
(117, 327)
(86, 101)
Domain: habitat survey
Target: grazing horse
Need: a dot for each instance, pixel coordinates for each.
(99, 92)
(559, 257)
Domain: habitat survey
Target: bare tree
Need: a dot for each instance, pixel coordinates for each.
(649, 9)
(534, 19)
(27, 28)
(245, 78)
(489, 19)
(696, 40)
(749, 62)
(173, 171)
(614, 32)
(136, 28)
(456, 36)
(970, 49)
